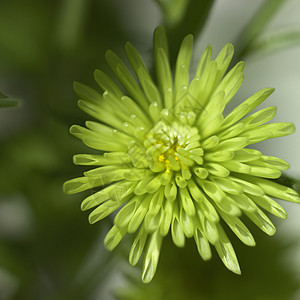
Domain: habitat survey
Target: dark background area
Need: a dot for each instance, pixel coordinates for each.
(47, 248)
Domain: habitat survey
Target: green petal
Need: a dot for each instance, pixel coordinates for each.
(126, 79)
(139, 214)
(100, 114)
(153, 221)
(216, 169)
(238, 227)
(227, 185)
(185, 160)
(166, 178)
(84, 92)
(210, 231)
(233, 144)
(97, 198)
(219, 197)
(261, 221)
(187, 223)
(134, 109)
(204, 61)
(229, 207)
(231, 132)
(265, 172)
(268, 131)
(171, 191)
(274, 189)
(208, 209)
(164, 77)
(105, 175)
(103, 145)
(176, 229)
(231, 82)
(124, 216)
(174, 164)
(183, 63)
(247, 106)
(154, 111)
(186, 202)
(226, 252)
(211, 118)
(273, 162)
(100, 160)
(212, 190)
(202, 173)
(104, 210)
(156, 202)
(243, 202)
(107, 132)
(142, 73)
(135, 174)
(82, 132)
(160, 40)
(248, 187)
(76, 185)
(269, 205)
(245, 155)
(141, 187)
(219, 156)
(195, 190)
(202, 245)
(107, 84)
(260, 117)
(186, 174)
(123, 189)
(153, 185)
(210, 142)
(202, 87)
(152, 256)
(138, 246)
(223, 59)
(235, 166)
(168, 216)
(114, 237)
(180, 181)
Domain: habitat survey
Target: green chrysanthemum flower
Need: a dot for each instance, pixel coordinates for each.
(172, 161)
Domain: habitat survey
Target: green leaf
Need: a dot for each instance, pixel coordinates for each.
(256, 26)
(7, 102)
(183, 17)
(276, 41)
(290, 182)
(70, 22)
(173, 10)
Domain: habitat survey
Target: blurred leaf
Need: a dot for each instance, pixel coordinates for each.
(182, 17)
(7, 102)
(290, 182)
(173, 10)
(182, 274)
(47, 261)
(276, 41)
(257, 25)
(71, 20)
(23, 33)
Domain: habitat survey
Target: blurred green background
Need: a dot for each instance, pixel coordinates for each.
(47, 248)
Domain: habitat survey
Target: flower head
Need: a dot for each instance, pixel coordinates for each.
(170, 161)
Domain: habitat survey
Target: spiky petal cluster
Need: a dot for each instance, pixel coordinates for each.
(171, 161)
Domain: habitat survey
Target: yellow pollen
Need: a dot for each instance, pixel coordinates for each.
(176, 158)
(161, 158)
(168, 167)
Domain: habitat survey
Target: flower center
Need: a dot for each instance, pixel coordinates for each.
(168, 147)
